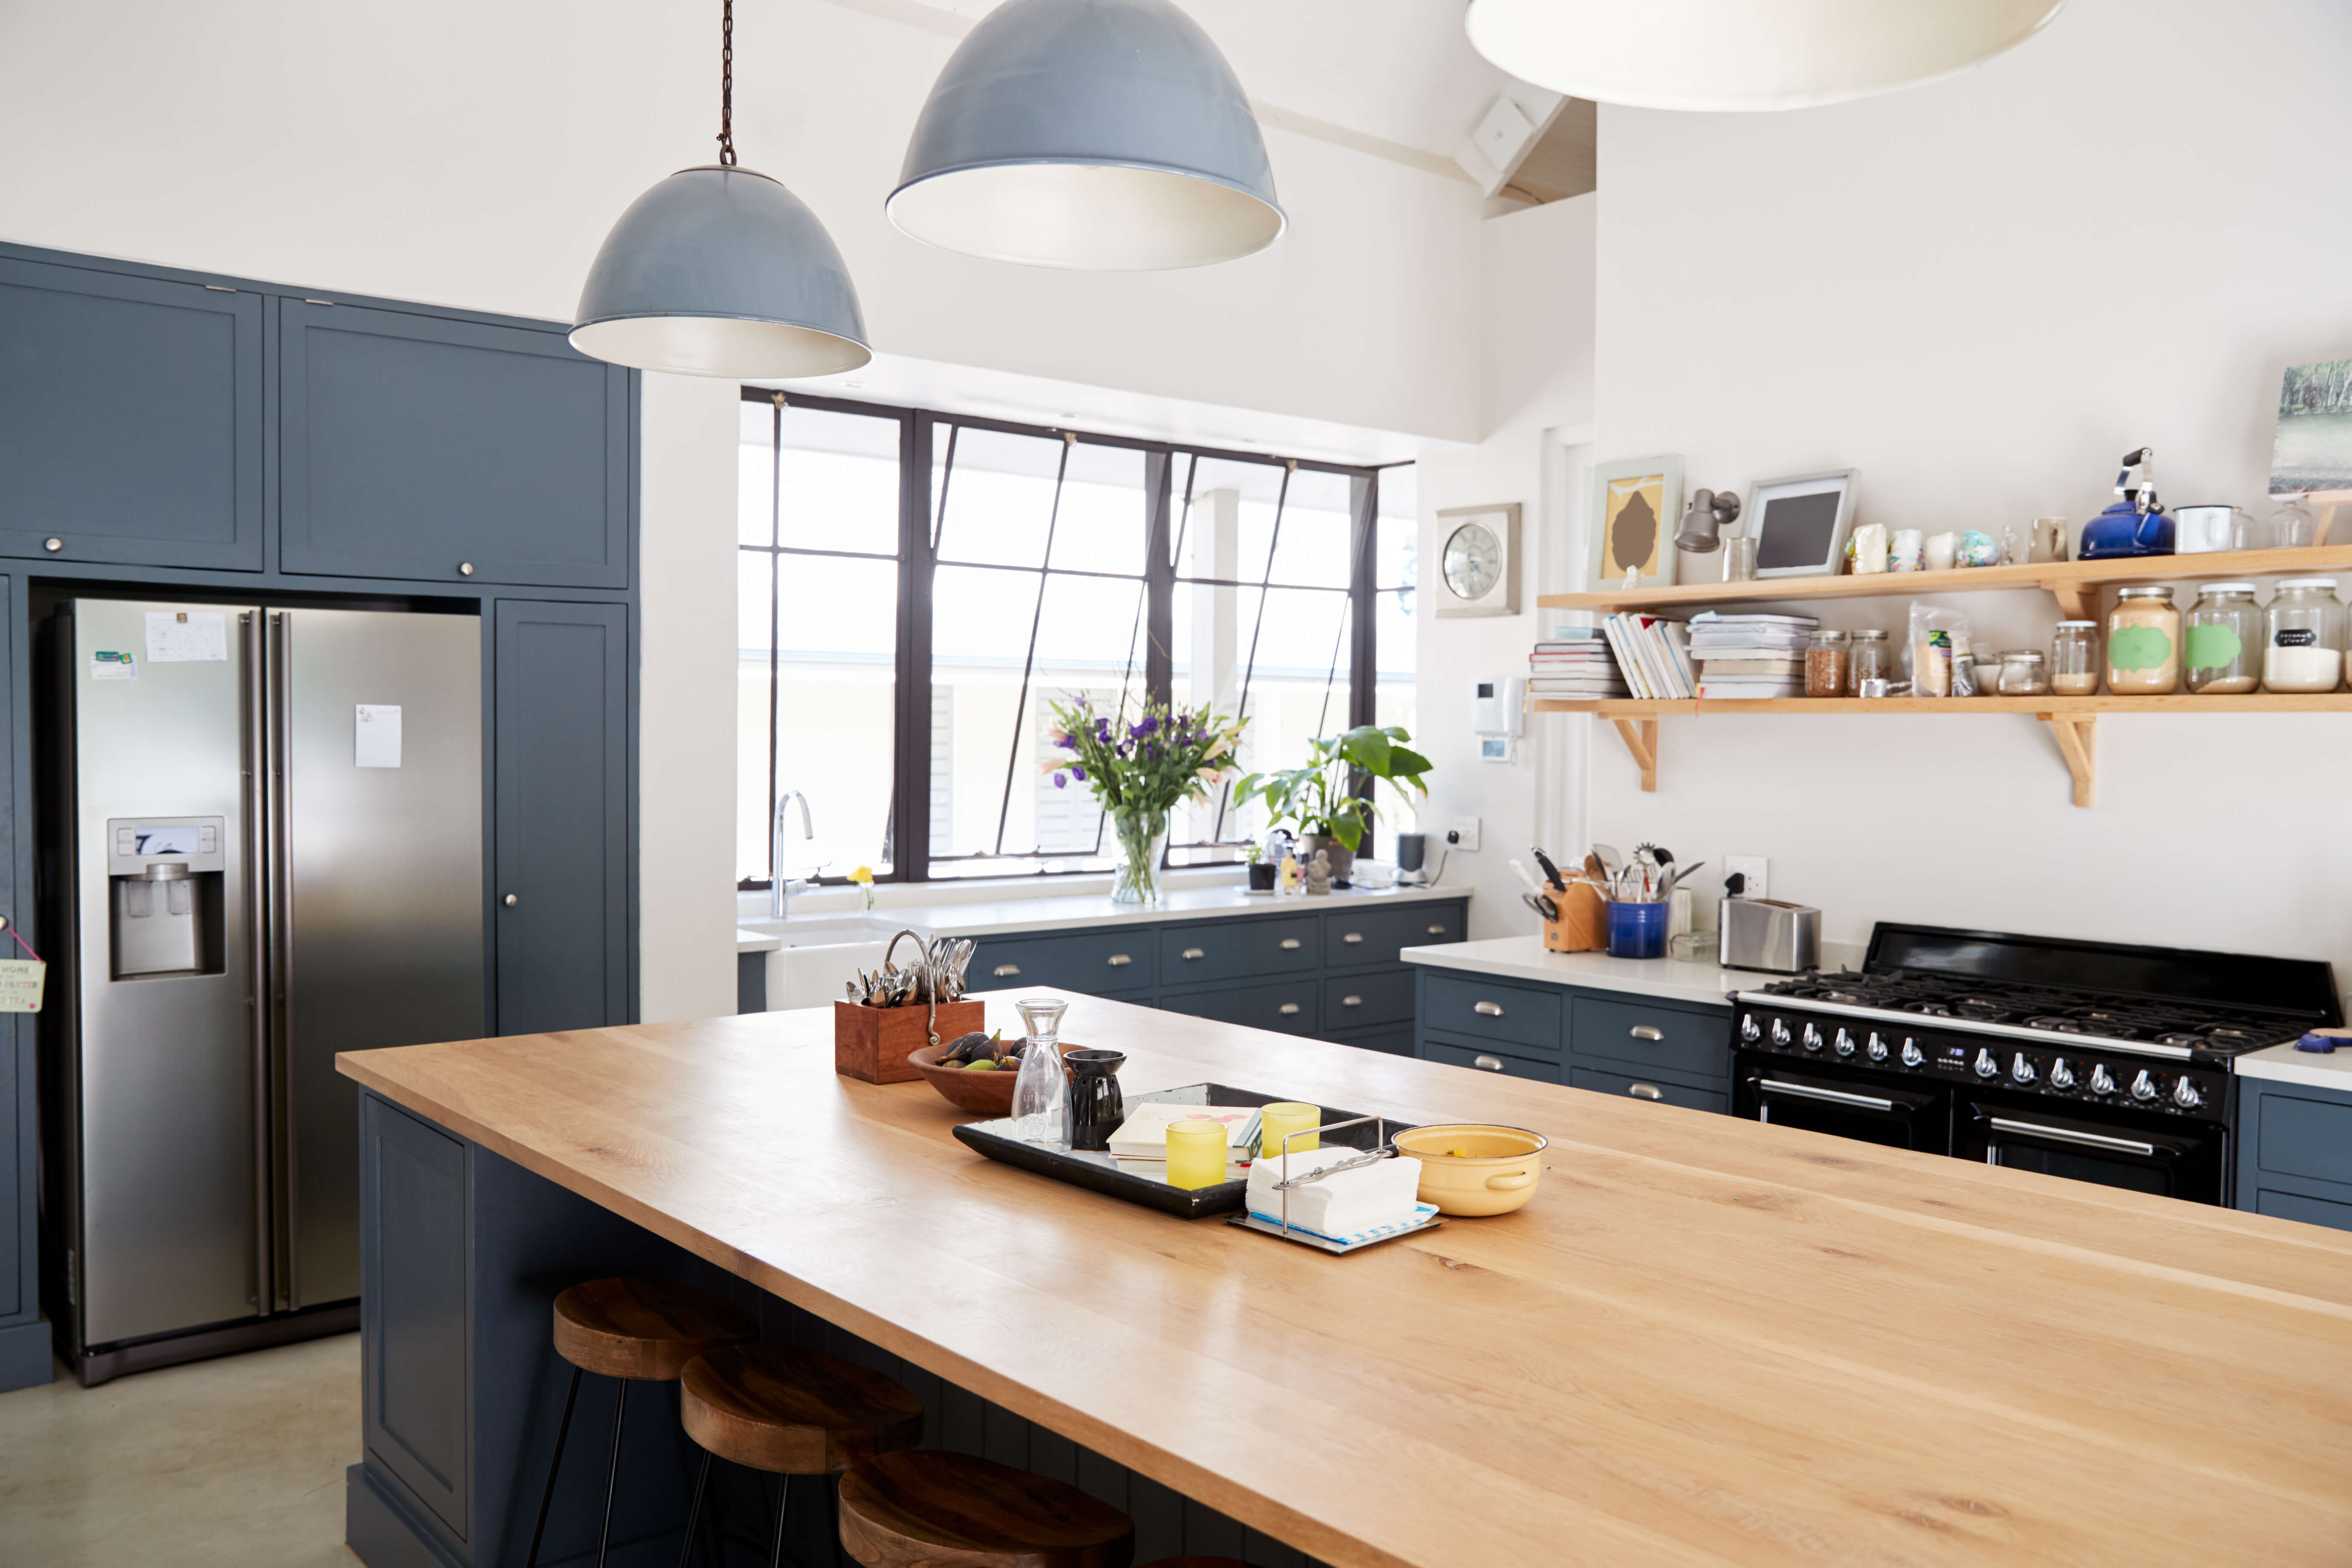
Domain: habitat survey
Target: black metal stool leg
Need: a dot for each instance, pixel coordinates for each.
(562, 1431)
(612, 1471)
(784, 1495)
(694, 1513)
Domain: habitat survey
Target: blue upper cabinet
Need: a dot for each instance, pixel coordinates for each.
(420, 448)
(131, 419)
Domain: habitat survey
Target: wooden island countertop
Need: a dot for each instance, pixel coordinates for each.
(1706, 1341)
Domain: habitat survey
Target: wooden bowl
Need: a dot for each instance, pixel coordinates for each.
(981, 1093)
(1496, 1173)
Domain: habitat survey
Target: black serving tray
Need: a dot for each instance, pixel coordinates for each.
(1100, 1172)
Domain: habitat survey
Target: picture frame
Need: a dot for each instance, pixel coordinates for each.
(1800, 524)
(1637, 504)
(1478, 561)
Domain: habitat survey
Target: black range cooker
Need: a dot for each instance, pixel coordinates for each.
(2101, 1062)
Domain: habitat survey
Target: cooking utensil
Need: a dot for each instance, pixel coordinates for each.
(1676, 879)
(1610, 861)
(1535, 889)
(1541, 904)
(1550, 869)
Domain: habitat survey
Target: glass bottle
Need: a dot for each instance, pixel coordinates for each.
(2221, 646)
(1041, 1095)
(2303, 637)
(2074, 659)
(2144, 644)
(1869, 657)
(2022, 673)
(1825, 665)
(2293, 525)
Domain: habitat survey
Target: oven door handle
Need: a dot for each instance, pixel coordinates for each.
(1835, 1095)
(2068, 1135)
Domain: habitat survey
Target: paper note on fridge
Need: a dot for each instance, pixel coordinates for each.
(186, 637)
(108, 664)
(378, 728)
(20, 984)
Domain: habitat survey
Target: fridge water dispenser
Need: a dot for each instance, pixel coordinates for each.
(165, 877)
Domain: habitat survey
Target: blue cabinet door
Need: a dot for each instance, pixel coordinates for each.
(414, 1272)
(426, 448)
(561, 895)
(131, 419)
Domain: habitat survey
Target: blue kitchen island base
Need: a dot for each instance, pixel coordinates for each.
(464, 1253)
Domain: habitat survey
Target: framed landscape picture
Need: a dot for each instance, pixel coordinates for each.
(2313, 449)
(1636, 504)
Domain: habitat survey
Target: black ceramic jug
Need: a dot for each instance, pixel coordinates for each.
(1096, 1107)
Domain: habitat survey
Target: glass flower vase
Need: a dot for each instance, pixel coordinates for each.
(1142, 842)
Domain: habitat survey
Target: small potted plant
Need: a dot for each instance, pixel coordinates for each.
(1319, 797)
(1139, 773)
(1261, 869)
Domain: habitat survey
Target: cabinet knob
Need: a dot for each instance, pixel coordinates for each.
(1118, 960)
(53, 545)
(1353, 936)
(1491, 1009)
(1351, 1001)
(1644, 1031)
(1646, 1091)
(512, 900)
(1492, 1064)
(465, 568)
(1005, 969)
(1193, 953)
(1289, 1009)
(1291, 944)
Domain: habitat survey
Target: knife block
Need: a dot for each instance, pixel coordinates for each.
(872, 1044)
(1584, 923)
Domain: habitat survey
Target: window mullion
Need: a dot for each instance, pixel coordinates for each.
(1029, 661)
(910, 803)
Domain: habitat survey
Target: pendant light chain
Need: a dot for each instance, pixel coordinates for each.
(727, 84)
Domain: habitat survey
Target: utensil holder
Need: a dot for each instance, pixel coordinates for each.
(872, 1044)
(1584, 923)
(1637, 931)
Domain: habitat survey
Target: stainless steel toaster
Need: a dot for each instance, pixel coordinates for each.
(1770, 935)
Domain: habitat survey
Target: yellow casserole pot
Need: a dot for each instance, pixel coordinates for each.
(1475, 1168)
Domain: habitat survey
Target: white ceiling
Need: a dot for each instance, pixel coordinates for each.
(1401, 71)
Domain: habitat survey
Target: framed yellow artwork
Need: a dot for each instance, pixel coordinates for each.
(1636, 504)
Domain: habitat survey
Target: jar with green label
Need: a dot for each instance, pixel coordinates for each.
(2144, 644)
(2221, 646)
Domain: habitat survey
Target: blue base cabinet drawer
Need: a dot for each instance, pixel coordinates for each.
(1288, 1005)
(2337, 1215)
(1643, 1034)
(1489, 1010)
(1395, 1042)
(2303, 1133)
(1233, 949)
(1355, 937)
(1092, 962)
(1353, 1000)
(1480, 1059)
(1660, 1089)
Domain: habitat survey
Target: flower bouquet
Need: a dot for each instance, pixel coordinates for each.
(1140, 772)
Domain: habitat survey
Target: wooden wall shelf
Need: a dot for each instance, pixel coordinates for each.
(2077, 585)
(2072, 721)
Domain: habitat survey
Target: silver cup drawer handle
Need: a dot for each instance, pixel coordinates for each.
(1491, 1009)
(1289, 1009)
(1644, 1031)
(1646, 1091)
(1005, 969)
(1353, 936)
(1291, 944)
(1438, 929)
(1492, 1064)
(1351, 1001)
(1118, 960)
(1193, 953)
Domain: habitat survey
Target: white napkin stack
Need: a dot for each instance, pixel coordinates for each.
(1367, 1198)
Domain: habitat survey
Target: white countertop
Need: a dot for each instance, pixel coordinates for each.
(1673, 980)
(750, 941)
(998, 918)
(2313, 1069)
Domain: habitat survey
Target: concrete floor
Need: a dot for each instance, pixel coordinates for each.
(235, 1463)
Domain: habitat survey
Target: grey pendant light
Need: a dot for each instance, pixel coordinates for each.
(721, 271)
(1108, 135)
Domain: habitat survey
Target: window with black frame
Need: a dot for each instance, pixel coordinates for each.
(917, 591)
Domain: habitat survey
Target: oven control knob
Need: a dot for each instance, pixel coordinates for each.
(1876, 1049)
(1912, 1054)
(2102, 1080)
(1779, 1031)
(2061, 1075)
(2021, 1069)
(2144, 1086)
(1987, 1064)
(2187, 1095)
(1844, 1044)
(1749, 1029)
(1813, 1037)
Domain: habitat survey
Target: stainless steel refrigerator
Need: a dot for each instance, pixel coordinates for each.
(265, 829)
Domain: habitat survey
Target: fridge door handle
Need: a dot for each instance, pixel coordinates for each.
(254, 703)
(279, 704)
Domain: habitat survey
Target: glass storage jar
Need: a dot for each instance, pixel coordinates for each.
(2303, 637)
(2022, 673)
(1825, 662)
(2074, 659)
(1869, 657)
(2144, 644)
(2221, 646)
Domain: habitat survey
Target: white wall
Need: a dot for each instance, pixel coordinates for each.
(1537, 329)
(1980, 293)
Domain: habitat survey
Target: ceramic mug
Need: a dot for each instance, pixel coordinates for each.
(1905, 548)
(1870, 548)
(2048, 540)
(1941, 551)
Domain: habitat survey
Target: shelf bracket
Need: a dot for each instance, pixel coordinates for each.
(1641, 737)
(2077, 601)
(2077, 736)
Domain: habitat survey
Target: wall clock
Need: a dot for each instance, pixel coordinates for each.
(1479, 560)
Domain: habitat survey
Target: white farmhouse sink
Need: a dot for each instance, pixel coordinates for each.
(821, 954)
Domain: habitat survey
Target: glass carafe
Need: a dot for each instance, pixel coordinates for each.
(1041, 1095)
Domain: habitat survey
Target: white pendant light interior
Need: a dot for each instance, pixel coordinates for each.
(1744, 54)
(1099, 217)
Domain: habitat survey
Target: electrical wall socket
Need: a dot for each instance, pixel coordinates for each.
(1755, 867)
(1462, 833)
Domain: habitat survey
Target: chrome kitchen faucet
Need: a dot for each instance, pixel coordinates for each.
(781, 888)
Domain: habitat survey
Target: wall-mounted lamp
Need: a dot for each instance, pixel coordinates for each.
(1709, 513)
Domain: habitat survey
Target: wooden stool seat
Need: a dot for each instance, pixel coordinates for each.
(794, 1413)
(644, 1329)
(924, 1509)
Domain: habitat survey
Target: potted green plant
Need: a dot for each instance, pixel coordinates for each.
(1140, 772)
(1320, 798)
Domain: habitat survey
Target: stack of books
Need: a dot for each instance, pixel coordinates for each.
(1653, 653)
(1575, 666)
(1749, 656)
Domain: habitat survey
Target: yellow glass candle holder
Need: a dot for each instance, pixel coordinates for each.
(1282, 1117)
(1196, 1154)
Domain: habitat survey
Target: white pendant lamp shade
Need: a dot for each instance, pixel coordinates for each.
(721, 271)
(1108, 135)
(1744, 54)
